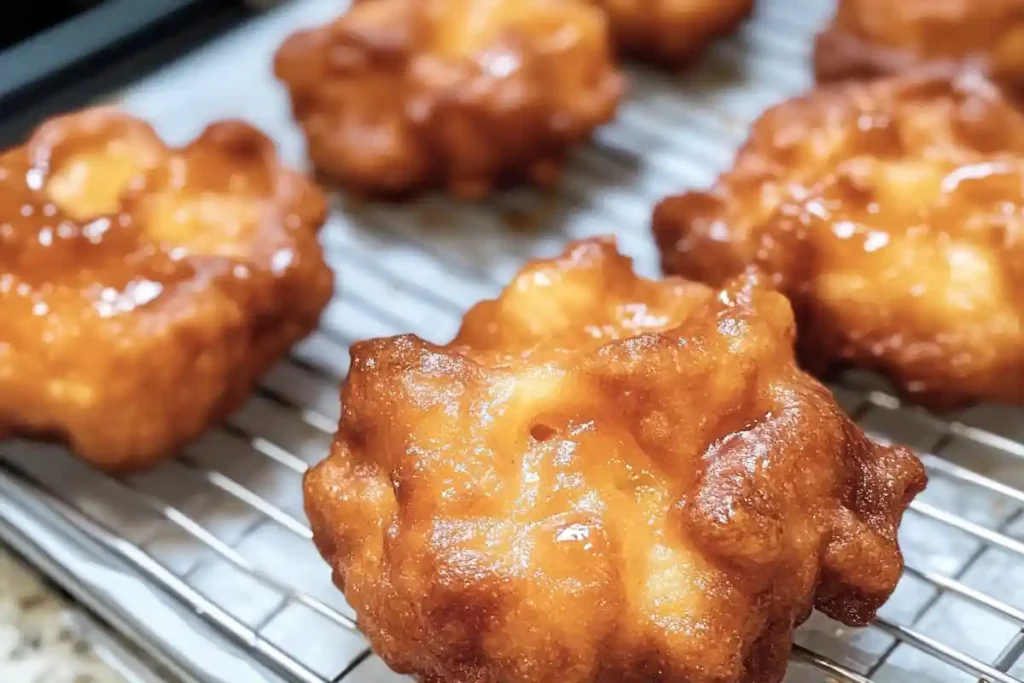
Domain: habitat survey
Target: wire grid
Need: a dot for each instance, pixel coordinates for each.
(293, 399)
(221, 529)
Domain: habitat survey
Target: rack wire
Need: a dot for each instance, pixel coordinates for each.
(220, 531)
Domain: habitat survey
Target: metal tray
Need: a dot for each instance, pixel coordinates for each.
(207, 563)
(90, 39)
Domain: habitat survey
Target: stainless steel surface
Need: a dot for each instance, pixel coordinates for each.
(207, 561)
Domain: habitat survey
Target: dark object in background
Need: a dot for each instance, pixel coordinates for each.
(34, 18)
(57, 55)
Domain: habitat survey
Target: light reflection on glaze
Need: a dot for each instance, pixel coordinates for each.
(99, 158)
(127, 326)
(893, 218)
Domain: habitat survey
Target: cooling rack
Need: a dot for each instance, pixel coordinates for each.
(207, 562)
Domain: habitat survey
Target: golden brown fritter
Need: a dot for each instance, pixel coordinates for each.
(143, 289)
(603, 478)
(870, 38)
(402, 95)
(890, 214)
(672, 32)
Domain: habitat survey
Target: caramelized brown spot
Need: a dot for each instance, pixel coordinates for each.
(871, 38)
(671, 33)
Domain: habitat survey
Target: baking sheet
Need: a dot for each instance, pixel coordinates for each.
(415, 268)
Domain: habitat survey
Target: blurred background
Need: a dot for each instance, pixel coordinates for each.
(59, 54)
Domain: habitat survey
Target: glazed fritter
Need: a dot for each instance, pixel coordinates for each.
(890, 214)
(402, 95)
(870, 38)
(143, 289)
(603, 478)
(672, 32)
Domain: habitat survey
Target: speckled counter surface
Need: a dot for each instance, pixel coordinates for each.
(37, 641)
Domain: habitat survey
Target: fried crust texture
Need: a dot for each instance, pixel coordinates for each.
(603, 479)
(872, 38)
(397, 96)
(672, 33)
(890, 214)
(143, 288)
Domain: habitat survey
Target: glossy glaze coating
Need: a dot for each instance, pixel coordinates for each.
(891, 215)
(671, 33)
(603, 478)
(401, 95)
(870, 38)
(143, 288)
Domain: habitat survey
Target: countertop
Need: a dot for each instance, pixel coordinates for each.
(38, 643)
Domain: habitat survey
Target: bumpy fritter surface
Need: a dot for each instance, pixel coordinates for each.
(870, 38)
(890, 214)
(672, 32)
(143, 289)
(603, 478)
(400, 95)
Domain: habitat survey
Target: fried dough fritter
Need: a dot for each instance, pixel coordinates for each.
(890, 214)
(402, 95)
(603, 478)
(143, 289)
(672, 32)
(871, 38)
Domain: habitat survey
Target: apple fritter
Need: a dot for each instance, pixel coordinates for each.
(672, 32)
(143, 289)
(890, 214)
(603, 478)
(871, 38)
(403, 95)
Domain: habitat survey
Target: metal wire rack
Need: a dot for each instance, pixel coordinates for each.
(210, 555)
